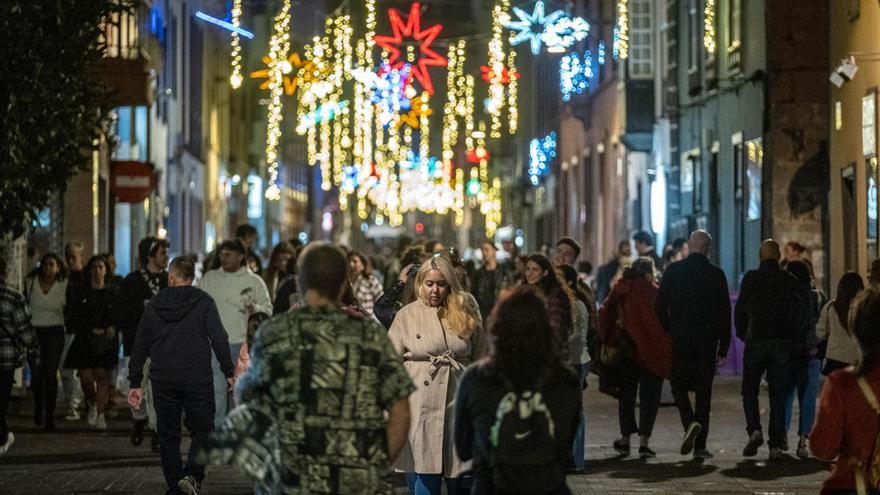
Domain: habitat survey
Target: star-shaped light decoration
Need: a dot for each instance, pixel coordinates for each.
(532, 27)
(290, 68)
(489, 76)
(414, 116)
(412, 29)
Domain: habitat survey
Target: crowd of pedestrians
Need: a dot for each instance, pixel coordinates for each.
(327, 368)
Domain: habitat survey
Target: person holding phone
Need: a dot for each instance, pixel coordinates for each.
(401, 291)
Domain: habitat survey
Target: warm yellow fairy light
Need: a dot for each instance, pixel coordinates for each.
(513, 112)
(496, 65)
(623, 29)
(459, 196)
(279, 46)
(709, 27)
(424, 131)
(324, 156)
(236, 78)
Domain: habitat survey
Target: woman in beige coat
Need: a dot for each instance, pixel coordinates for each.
(438, 335)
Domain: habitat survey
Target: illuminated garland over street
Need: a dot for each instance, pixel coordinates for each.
(279, 46)
(235, 79)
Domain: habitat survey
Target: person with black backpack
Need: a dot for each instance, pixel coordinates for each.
(517, 410)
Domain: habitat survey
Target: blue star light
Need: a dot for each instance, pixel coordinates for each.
(541, 151)
(564, 32)
(601, 56)
(532, 27)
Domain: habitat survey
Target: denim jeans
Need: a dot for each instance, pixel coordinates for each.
(775, 358)
(807, 388)
(197, 403)
(430, 484)
(222, 398)
(577, 449)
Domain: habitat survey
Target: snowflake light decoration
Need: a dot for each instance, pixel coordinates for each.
(574, 74)
(564, 32)
(541, 152)
(390, 92)
(532, 27)
(412, 29)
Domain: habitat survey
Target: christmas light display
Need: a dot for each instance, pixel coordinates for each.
(504, 78)
(622, 30)
(225, 25)
(709, 27)
(564, 32)
(600, 56)
(235, 78)
(541, 152)
(532, 27)
(279, 46)
(326, 111)
(390, 93)
(575, 74)
(290, 69)
(412, 29)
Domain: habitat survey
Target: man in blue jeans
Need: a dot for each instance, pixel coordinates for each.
(769, 317)
(178, 332)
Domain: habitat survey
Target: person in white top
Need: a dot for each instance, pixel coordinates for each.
(46, 291)
(238, 293)
(842, 349)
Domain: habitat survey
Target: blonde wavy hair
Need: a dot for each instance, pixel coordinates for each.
(454, 313)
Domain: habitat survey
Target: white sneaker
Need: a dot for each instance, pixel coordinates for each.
(100, 423)
(10, 439)
(72, 414)
(92, 416)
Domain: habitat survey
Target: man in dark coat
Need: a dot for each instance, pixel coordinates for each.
(693, 305)
(134, 292)
(769, 316)
(645, 247)
(178, 332)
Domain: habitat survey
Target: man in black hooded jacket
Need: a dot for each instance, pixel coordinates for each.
(178, 331)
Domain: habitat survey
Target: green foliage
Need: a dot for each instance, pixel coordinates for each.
(51, 110)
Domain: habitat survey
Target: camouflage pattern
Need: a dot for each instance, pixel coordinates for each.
(327, 376)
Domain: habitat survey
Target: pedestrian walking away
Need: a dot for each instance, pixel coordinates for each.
(135, 291)
(179, 333)
(638, 353)
(517, 410)
(18, 343)
(693, 306)
(770, 317)
(321, 373)
(238, 293)
(46, 295)
(841, 349)
(438, 335)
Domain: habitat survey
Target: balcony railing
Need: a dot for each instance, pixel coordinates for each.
(125, 33)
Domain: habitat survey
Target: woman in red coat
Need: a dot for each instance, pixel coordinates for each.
(629, 310)
(846, 424)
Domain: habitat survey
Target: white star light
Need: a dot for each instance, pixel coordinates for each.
(527, 25)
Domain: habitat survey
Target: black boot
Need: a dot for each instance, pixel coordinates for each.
(137, 431)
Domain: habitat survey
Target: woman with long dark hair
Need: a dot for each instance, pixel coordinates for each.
(559, 299)
(629, 309)
(846, 423)
(521, 383)
(579, 357)
(841, 349)
(367, 288)
(276, 269)
(93, 352)
(46, 294)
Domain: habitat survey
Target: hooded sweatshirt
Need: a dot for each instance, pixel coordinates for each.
(233, 292)
(179, 328)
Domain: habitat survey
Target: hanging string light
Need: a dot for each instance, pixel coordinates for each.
(279, 46)
(709, 27)
(621, 33)
(235, 79)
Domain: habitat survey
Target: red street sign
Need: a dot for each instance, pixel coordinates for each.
(131, 182)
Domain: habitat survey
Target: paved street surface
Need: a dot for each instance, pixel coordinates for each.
(75, 460)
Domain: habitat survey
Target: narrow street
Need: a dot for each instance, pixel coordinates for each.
(75, 460)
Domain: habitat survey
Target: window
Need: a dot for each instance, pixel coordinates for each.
(641, 39)
(132, 130)
(869, 125)
(752, 183)
(734, 23)
(694, 40)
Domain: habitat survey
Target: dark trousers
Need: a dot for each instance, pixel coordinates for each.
(197, 402)
(7, 378)
(44, 381)
(648, 386)
(693, 369)
(775, 358)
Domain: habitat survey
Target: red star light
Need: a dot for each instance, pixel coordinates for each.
(489, 76)
(412, 29)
